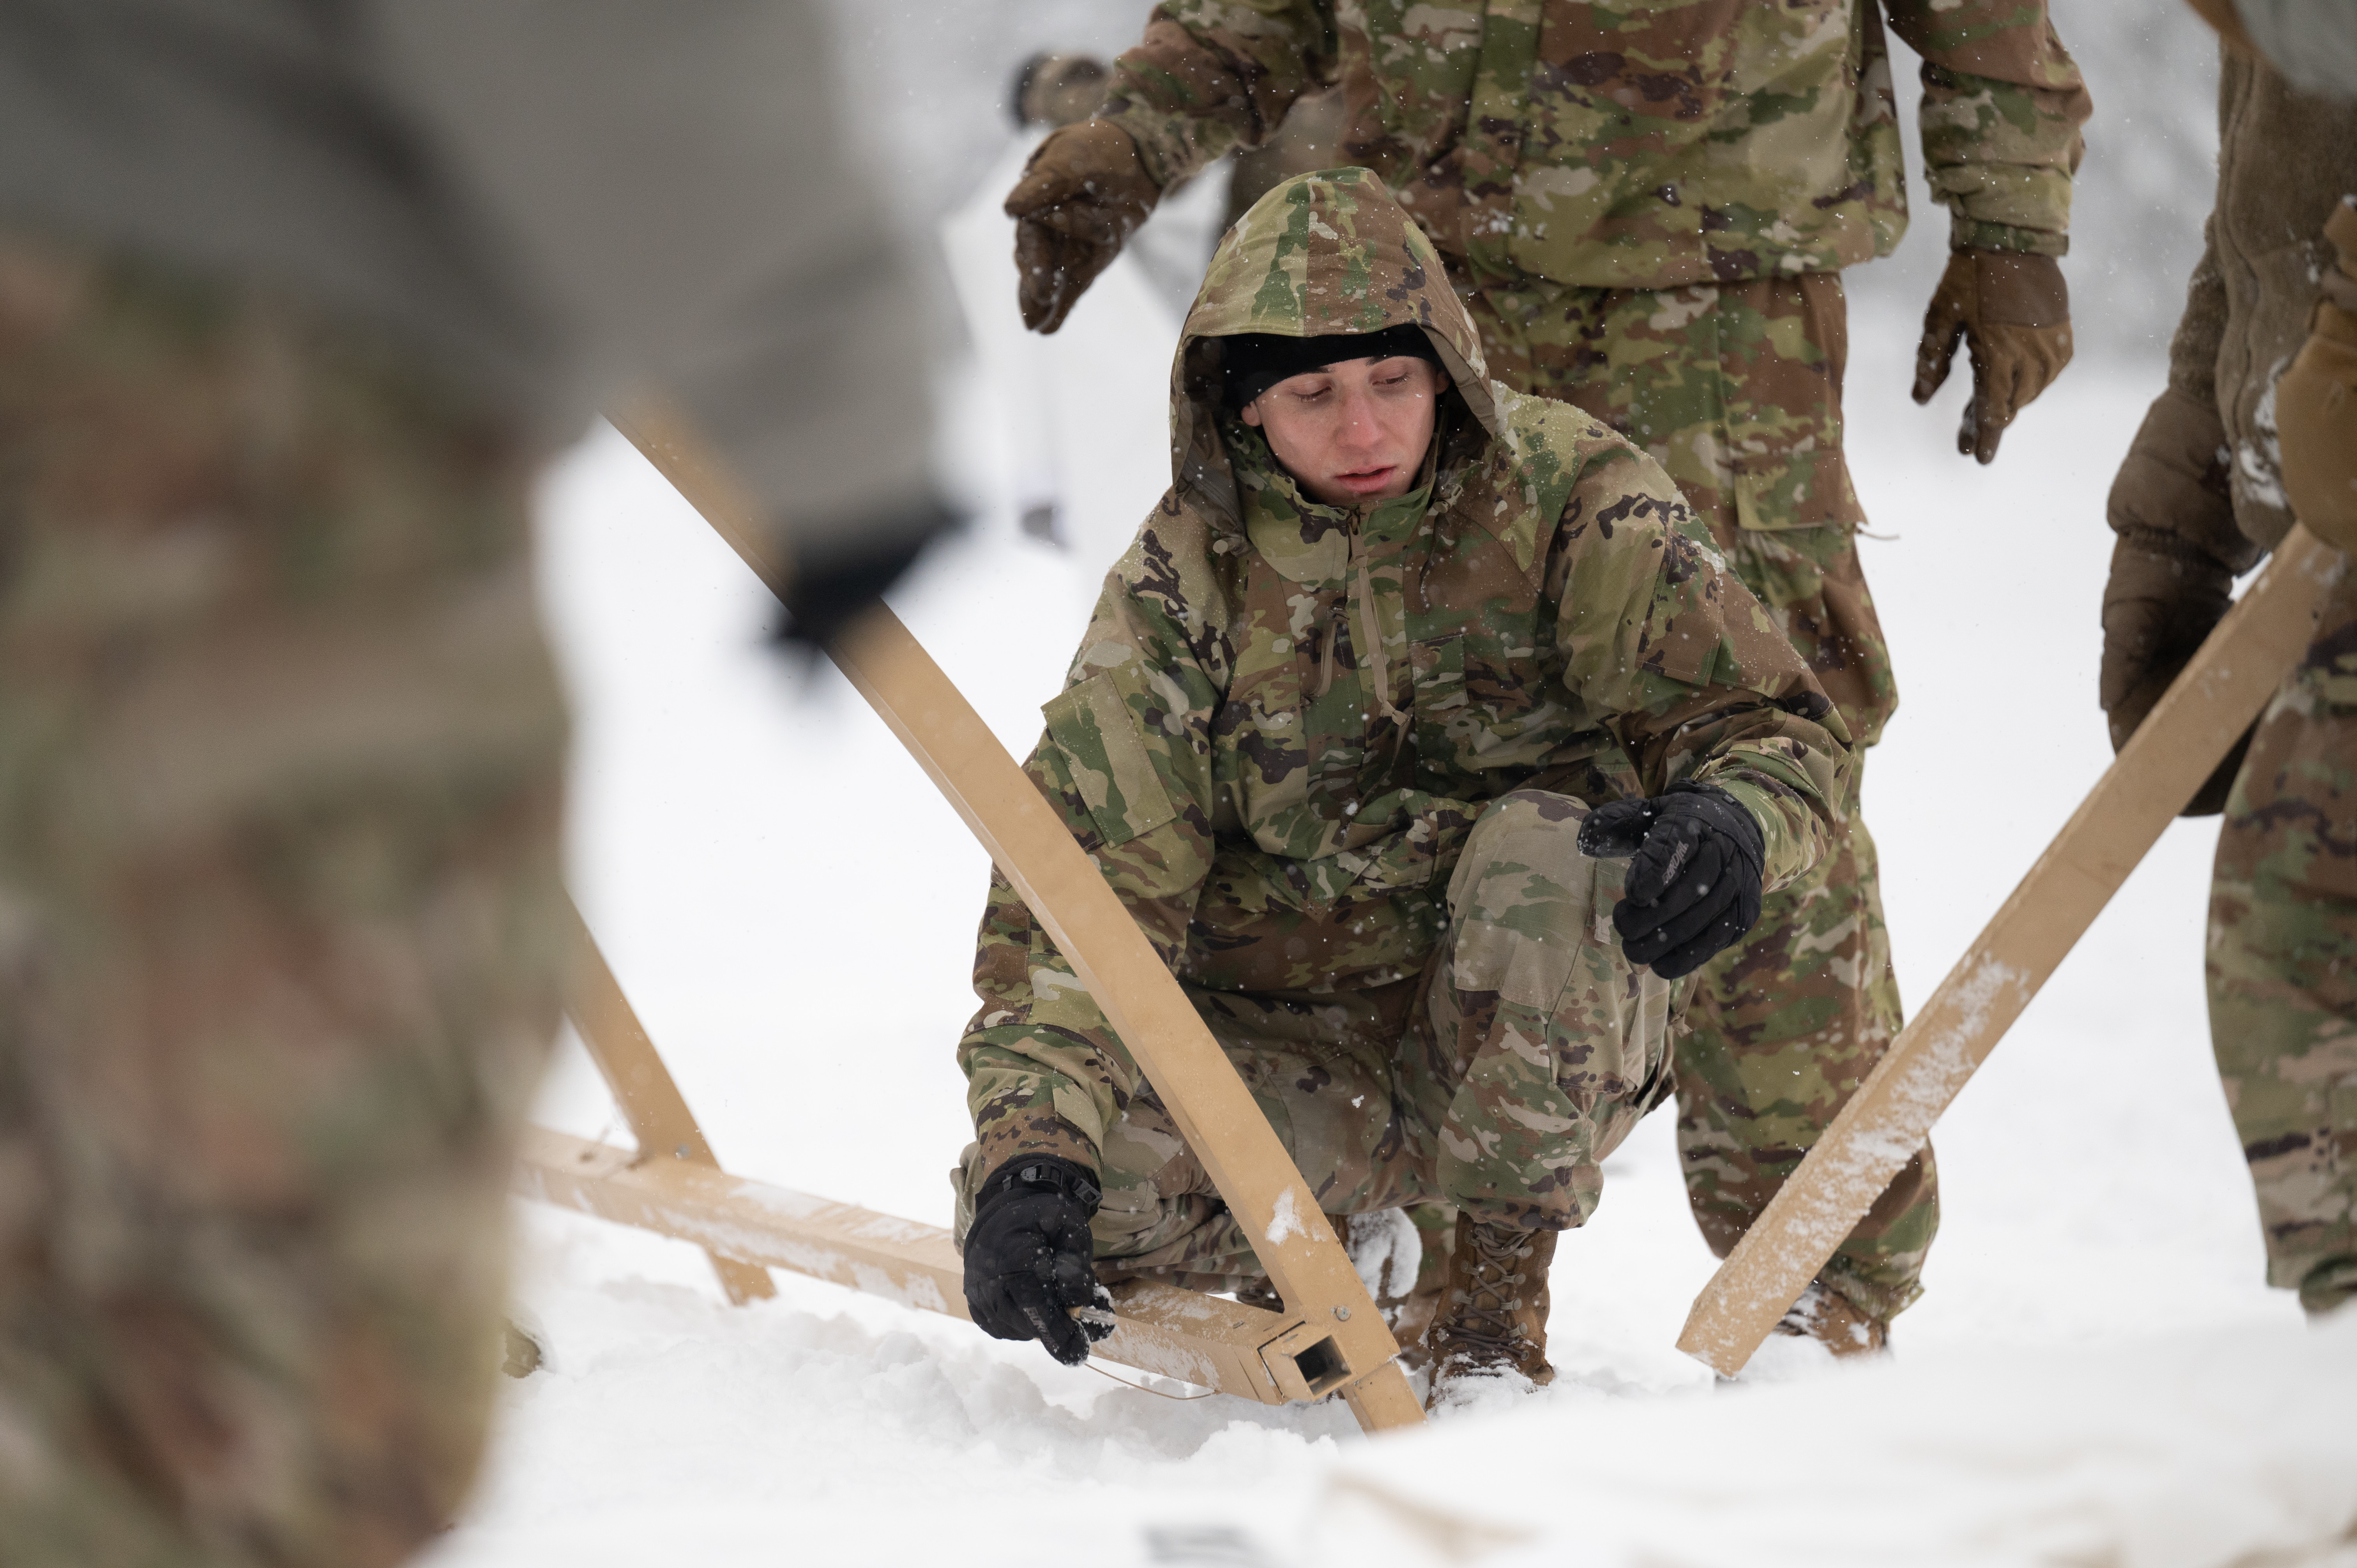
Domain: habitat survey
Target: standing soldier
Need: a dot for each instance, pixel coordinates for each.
(294, 297)
(2259, 429)
(1647, 213)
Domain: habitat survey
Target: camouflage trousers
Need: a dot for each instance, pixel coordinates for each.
(1735, 390)
(2282, 965)
(1496, 1080)
(280, 763)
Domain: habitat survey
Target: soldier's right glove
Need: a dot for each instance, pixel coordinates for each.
(1080, 196)
(2172, 571)
(1693, 887)
(2012, 312)
(1027, 1257)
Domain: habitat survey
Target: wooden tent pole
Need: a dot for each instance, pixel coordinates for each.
(2183, 739)
(660, 1120)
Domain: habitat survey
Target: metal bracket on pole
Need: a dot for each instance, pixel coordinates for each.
(2188, 732)
(1350, 1349)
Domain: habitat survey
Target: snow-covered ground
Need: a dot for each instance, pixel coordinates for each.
(2096, 1376)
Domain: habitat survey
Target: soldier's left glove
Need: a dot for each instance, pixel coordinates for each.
(2316, 400)
(2172, 571)
(2012, 313)
(1693, 887)
(1029, 1258)
(1081, 196)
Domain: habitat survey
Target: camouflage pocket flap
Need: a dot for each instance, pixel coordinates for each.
(1524, 901)
(1104, 752)
(1804, 489)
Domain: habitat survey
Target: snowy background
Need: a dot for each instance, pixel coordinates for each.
(2096, 1375)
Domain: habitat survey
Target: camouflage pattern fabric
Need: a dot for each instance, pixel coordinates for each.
(1496, 1081)
(2282, 968)
(1637, 148)
(1285, 719)
(1737, 391)
(280, 759)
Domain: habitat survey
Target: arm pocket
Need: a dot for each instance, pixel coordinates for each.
(1104, 752)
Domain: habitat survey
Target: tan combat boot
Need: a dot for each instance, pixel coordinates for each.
(1829, 1317)
(1493, 1308)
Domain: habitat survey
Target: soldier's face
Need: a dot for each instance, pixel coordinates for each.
(1352, 433)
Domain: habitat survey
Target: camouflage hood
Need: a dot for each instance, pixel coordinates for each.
(1321, 253)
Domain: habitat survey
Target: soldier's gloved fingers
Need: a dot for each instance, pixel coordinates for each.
(1051, 1323)
(1683, 947)
(1069, 1279)
(1040, 278)
(1048, 179)
(2211, 799)
(1675, 916)
(1096, 1319)
(2134, 650)
(1724, 932)
(1057, 268)
(991, 1304)
(1678, 858)
(1084, 1300)
(1964, 429)
(1942, 331)
(1617, 830)
(2127, 715)
(1669, 935)
(1993, 383)
(1704, 880)
(1660, 860)
(1650, 932)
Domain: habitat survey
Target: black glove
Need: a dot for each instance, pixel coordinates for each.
(1695, 888)
(830, 589)
(1027, 1257)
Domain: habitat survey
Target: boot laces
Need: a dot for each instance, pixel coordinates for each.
(1485, 1319)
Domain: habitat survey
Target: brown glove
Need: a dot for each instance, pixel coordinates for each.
(1082, 195)
(2168, 591)
(2012, 311)
(2316, 402)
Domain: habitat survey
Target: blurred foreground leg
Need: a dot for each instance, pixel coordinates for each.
(280, 763)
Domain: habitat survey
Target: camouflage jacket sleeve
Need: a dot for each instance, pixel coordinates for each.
(1126, 760)
(1216, 74)
(2003, 102)
(1697, 680)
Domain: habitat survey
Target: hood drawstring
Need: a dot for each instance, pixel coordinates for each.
(1370, 632)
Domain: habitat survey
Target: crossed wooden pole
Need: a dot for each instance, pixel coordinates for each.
(1330, 1339)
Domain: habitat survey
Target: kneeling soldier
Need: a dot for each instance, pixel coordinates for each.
(1427, 738)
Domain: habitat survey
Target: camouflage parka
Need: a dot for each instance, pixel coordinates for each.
(1284, 716)
(1641, 147)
